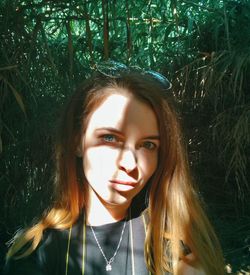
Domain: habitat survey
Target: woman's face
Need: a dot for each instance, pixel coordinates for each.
(120, 148)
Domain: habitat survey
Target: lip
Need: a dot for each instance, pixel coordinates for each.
(122, 186)
(130, 183)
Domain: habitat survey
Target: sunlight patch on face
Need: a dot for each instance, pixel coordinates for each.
(110, 114)
(117, 158)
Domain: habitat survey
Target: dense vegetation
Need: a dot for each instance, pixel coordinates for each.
(202, 46)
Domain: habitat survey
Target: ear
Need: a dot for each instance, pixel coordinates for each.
(79, 151)
(78, 144)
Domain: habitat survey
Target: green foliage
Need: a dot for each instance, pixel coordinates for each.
(48, 46)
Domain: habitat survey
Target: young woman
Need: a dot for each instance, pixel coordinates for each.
(125, 202)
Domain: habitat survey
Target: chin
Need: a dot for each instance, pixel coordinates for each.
(118, 200)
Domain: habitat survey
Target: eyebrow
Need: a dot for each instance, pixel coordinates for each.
(114, 130)
(152, 137)
(110, 129)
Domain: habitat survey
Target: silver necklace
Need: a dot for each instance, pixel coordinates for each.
(110, 261)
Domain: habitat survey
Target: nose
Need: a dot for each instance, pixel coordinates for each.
(127, 161)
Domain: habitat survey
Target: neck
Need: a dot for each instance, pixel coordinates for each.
(100, 212)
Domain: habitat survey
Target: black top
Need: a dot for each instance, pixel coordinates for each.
(50, 258)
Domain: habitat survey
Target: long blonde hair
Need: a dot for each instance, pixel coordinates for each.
(174, 211)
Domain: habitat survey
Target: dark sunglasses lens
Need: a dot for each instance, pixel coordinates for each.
(115, 69)
(161, 78)
(111, 68)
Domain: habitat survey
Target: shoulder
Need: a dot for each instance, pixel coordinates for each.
(53, 241)
(43, 260)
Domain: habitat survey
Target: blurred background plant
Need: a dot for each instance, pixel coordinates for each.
(202, 46)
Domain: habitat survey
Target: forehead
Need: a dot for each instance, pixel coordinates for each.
(119, 110)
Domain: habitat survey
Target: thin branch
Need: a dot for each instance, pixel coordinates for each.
(89, 35)
(129, 39)
(105, 29)
(70, 48)
(227, 29)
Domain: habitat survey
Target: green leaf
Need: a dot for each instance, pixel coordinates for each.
(17, 96)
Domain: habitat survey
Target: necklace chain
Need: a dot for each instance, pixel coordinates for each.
(110, 261)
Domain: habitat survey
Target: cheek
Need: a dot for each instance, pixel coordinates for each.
(148, 165)
(99, 161)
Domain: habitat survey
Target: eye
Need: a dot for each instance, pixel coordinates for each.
(109, 138)
(149, 145)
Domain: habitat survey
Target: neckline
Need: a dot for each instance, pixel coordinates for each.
(107, 226)
(84, 233)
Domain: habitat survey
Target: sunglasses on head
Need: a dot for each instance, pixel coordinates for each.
(115, 69)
